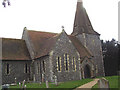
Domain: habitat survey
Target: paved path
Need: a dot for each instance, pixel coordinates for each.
(88, 85)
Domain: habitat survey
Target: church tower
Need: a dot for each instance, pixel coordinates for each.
(84, 31)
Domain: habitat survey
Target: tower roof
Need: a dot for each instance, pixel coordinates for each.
(79, 1)
(82, 22)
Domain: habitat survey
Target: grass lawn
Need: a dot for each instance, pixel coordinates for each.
(113, 82)
(68, 84)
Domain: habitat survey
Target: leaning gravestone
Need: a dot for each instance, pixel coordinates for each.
(103, 84)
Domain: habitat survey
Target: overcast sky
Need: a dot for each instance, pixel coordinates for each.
(50, 15)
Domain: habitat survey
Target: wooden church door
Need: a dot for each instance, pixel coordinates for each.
(87, 72)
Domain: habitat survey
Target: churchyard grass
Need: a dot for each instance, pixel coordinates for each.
(68, 84)
(113, 82)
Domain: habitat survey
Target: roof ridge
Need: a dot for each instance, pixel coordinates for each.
(12, 39)
(42, 31)
(86, 49)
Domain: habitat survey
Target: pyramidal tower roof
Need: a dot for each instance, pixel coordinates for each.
(82, 22)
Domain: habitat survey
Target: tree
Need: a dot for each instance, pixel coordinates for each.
(110, 57)
(118, 56)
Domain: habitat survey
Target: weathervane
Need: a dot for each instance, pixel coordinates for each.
(4, 3)
(62, 27)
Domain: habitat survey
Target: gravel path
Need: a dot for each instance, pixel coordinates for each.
(88, 85)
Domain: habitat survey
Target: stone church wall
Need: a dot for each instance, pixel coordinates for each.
(16, 71)
(93, 44)
(25, 37)
(40, 74)
(63, 46)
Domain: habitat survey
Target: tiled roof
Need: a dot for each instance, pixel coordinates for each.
(82, 22)
(80, 48)
(42, 42)
(14, 49)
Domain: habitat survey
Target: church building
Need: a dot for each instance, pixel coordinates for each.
(39, 56)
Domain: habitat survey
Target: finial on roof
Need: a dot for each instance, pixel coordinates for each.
(25, 28)
(79, 1)
(62, 28)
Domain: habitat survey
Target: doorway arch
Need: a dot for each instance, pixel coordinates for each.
(87, 71)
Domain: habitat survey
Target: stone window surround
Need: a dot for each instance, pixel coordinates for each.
(58, 64)
(7, 69)
(66, 56)
(25, 68)
(74, 64)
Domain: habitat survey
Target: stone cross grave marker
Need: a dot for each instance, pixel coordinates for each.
(103, 83)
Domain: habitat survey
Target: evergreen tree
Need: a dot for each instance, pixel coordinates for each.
(110, 57)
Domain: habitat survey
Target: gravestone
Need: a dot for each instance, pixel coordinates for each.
(23, 84)
(42, 77)
(40, 83)
(28, 80)
(19, 85)
(118, 73)
(47, 85)
(15, 81)
(5, 86)
(34, 77)
(103, 83)
(55, 77)
(25, 87)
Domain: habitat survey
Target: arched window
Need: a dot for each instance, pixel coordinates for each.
(37, 67)
(59, 64)
(8, 69)
(74, 64)
(25, 68)
(43, 66)
(66, 62)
